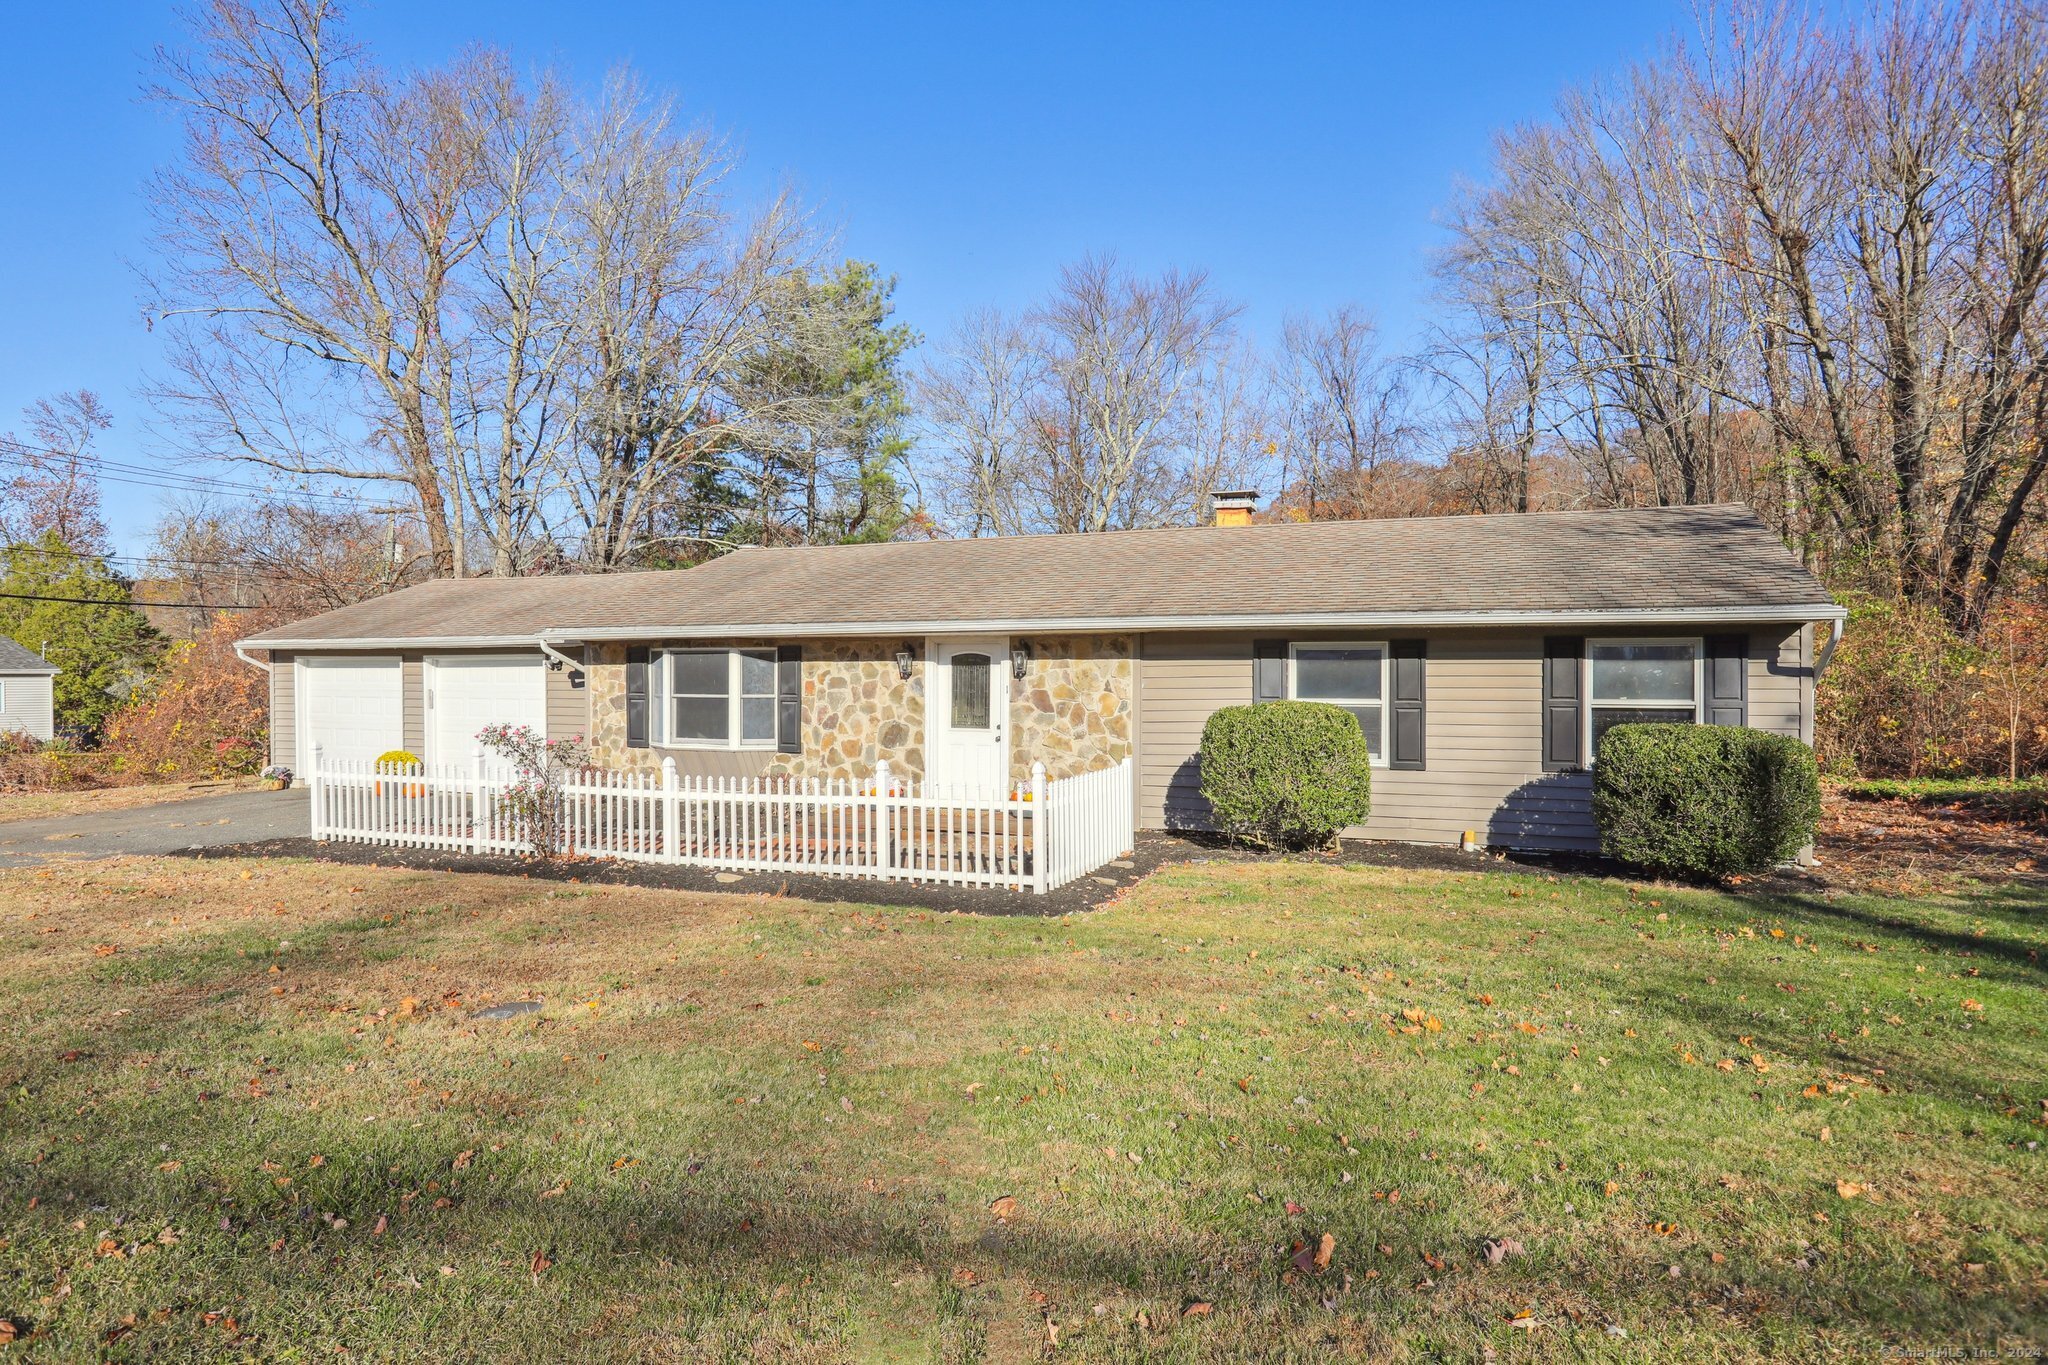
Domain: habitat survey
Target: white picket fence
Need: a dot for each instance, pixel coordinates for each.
(1034, 838)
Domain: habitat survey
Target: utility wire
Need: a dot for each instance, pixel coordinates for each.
(172, 481)
(132, 605)
(153, 561)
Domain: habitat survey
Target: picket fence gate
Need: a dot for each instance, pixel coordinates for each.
(1032, 838)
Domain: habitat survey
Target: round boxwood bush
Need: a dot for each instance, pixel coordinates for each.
(1286, 774)
(1703, 801)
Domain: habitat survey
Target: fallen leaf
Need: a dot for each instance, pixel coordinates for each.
(1849, 1189)
(1004, 1208)
(1498, 1249)
(1198, 1310)
(1325, 1249)
(462, 1159)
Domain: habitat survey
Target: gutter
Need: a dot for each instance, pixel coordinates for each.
(549, 639)
(1801, 612)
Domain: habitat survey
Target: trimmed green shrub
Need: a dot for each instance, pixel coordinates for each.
(1703, 801)
(1286, 774)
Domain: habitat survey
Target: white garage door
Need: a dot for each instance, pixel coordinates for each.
(464, 694)
(353, 708)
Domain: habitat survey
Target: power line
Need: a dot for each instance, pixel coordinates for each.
(155, 561)
(175, 482)
(131, 605)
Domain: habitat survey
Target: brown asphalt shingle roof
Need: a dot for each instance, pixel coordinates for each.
(1559, 563)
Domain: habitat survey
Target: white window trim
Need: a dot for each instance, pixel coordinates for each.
(1588, 702)
(664, 714)
(1379, 759)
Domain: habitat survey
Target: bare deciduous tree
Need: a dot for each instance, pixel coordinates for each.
(1797, 263)
(1114, 403)
(52, 483)
(520, 312)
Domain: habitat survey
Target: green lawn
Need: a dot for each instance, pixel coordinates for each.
(2027, 794)
(248, 1114)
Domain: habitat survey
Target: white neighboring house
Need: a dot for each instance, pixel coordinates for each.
(26, 679)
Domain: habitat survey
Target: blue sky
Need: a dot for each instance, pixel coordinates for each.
(1298, 152)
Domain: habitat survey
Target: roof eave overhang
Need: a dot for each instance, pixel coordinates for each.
(394, 642)
(1320, 620)
(1800, 612)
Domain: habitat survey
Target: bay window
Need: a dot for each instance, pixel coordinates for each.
(1637, 682)
(1353, 676)
(717, 699)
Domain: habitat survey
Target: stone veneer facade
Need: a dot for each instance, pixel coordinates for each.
(1072, 710)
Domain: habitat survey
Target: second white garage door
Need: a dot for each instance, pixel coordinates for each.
(467, 692)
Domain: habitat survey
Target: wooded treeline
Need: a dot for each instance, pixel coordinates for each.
(1797, 260)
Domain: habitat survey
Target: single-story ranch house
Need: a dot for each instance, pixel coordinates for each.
(1483, 655)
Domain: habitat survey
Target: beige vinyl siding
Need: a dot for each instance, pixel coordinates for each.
(284, 713)
(1780, 688)
(1484, 735)
(717, 762)
(568, 703)
(1182, 680)
(412, 691)
(26, 704)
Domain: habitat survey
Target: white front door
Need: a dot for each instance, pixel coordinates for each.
(967, 709)
(352, 708)
(467, 692)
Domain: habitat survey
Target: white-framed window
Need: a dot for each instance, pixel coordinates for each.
(716, 699)
(1634, 682)
(1347, 673)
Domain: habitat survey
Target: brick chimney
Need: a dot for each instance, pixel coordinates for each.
(1235, 507)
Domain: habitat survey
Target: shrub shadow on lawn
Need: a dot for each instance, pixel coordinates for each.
(2019, 905)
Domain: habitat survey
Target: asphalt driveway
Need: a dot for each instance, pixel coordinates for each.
(173, 827)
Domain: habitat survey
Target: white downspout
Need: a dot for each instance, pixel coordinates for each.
(242, 653)
(557, 655)
(1836, 629)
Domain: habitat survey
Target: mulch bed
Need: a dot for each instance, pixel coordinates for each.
(1154, 851)
(1895, 847)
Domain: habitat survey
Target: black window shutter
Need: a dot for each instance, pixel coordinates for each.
(1269, 670)
(636, 698)
(1563, 749)
(1727, 675)
(789, 699)
(1406, 734)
